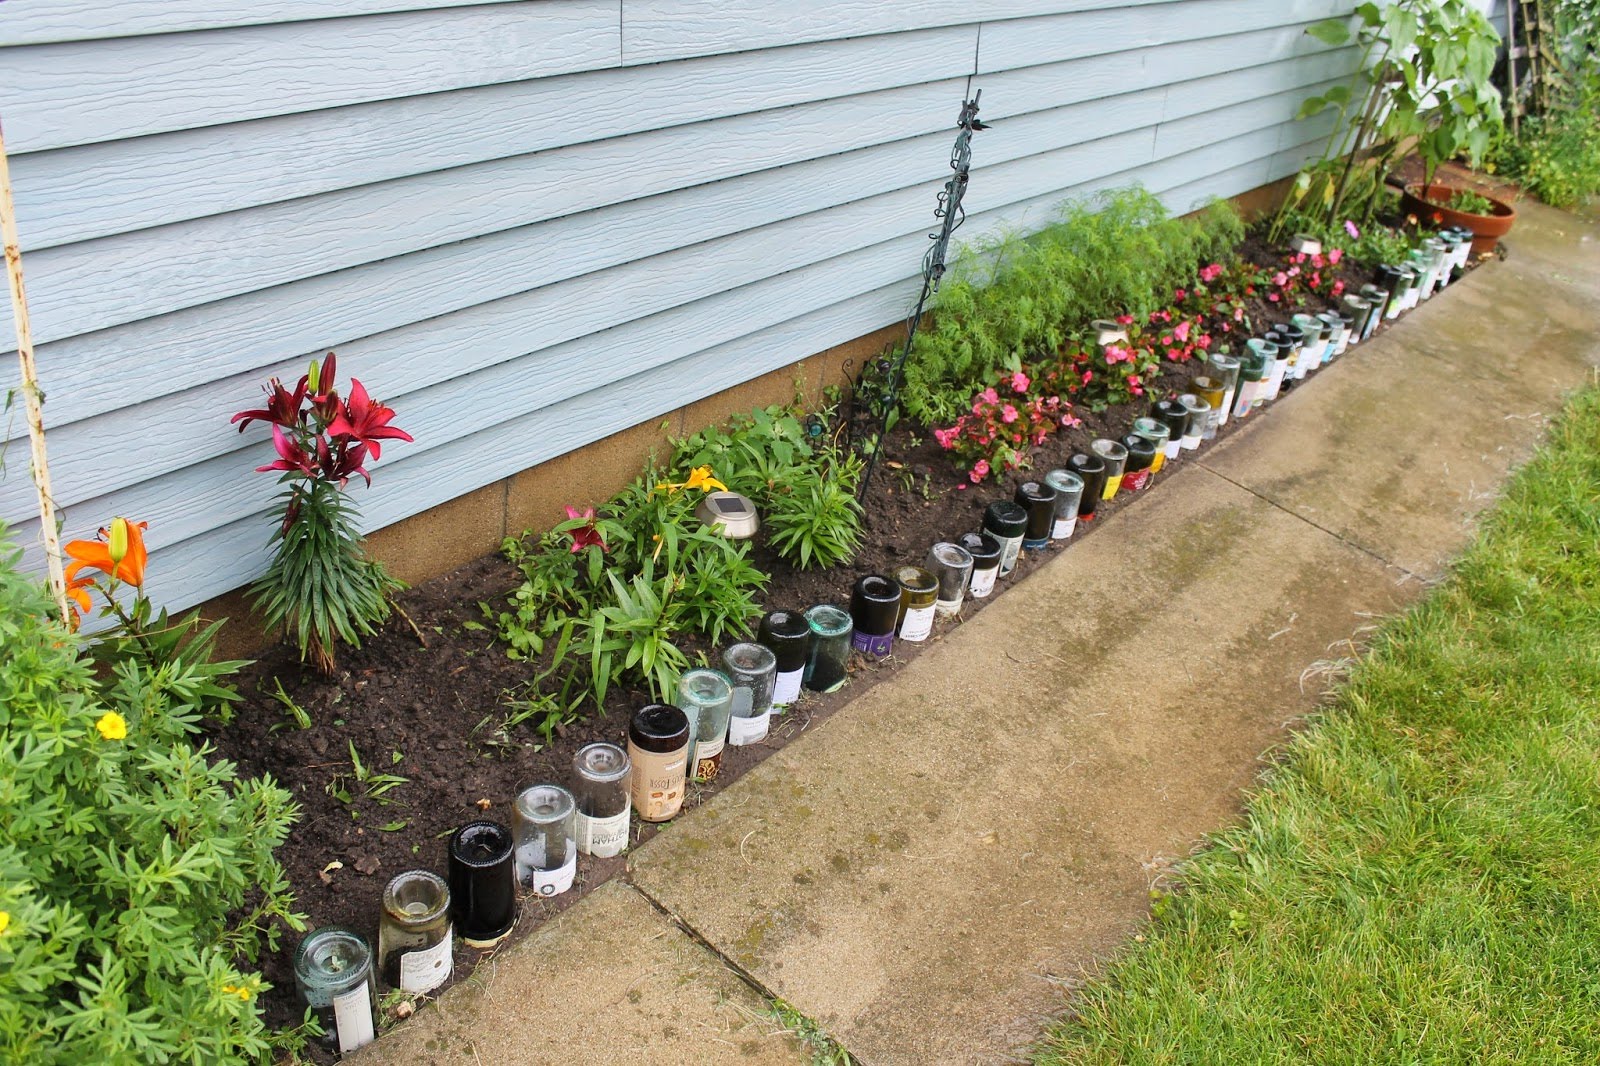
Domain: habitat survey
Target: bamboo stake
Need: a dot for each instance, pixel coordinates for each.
(32, 396)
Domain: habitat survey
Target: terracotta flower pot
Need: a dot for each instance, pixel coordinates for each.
(1487, 230)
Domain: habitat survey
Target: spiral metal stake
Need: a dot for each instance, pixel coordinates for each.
(950, 214)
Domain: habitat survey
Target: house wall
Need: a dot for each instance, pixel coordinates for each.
(530, 225)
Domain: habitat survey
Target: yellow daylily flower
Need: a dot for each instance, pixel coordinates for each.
(112, 726)
(5, 922)
(699, 478)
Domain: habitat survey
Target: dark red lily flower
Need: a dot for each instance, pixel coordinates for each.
(290, 455)
(585, 535)
(366, 420)
(342, 463)
(283, 406)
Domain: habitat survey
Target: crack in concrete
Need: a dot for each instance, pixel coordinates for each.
(717, 953)
(1297, 516)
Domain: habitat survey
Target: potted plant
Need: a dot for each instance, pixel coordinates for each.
(1424, 84)
(1446, 205)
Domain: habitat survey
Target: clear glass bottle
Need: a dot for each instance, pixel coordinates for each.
(333, 973)
(600, 790)
(1211, 390)
(415, 945)
(483, 882)
(919, 597)
(1156, 432)
(658, 747)
(753, 671)
(1115, 456)
(1069, 494)
(547, 845)
(1194, 426)
(1225, 368)
(706, 697)
(951, 564)
(830, 647)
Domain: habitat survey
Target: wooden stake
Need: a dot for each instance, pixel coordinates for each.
(32, 396)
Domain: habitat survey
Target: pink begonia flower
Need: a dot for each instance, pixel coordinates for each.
(1019, 382)
(989, 396)
(945, 437)
(1008, 414)
(1350, 228)
(1071, 420)
(1124, 320)
(1181, 331)
(980, 470)
(1318, 262)
(1280, 279)
(1180, 294)
(1294, 272)
(1338, 288)
(1334, 255)
(1238, 314)
(1204, 343)
(1114, 354)
(1088, 376)
(1316, 280)
(1272, 296)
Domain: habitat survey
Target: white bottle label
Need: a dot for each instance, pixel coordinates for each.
(786, 686)
(946, 608)
(549, 883)
(352, 1016)
(1010, 548)
(983, 582)
(603, 837)
(1174, 444)
(753, 730)
(1227, 406)
(708, 749)
(1063, 528)
(423, 971)
(1188, 443)
(917, 624)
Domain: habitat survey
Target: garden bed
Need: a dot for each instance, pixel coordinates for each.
(431, 714)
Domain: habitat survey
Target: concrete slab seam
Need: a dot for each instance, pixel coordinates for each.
(715, 952)
(1409, 574)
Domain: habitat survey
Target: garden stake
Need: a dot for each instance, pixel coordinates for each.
(32, 395)
(951, 215)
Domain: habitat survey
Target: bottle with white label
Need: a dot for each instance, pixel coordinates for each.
(706, 696)
(789, 636)
(333, 972)
(547, 846)
(952, 565)
(1006, 522)
(1038, 499)
(1069, 494)
(753, 670)
(1225, 368)
(985, 552)
(919, 596)
(1092, 471)
(600, 790)
(415, 942)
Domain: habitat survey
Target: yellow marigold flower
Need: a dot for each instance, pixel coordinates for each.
(5, 922)
(112, 726)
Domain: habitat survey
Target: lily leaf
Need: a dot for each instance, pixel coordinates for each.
(1330, 31)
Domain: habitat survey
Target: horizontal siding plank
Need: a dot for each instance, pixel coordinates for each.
(81, 92)
(100, 190)
(1072, 35)
(103, 372)
(306, 304)
(82, 289)
(50, 21)
(658, 30)
(456, 408)
(185, 573)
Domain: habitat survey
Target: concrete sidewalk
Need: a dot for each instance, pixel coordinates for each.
(929, 873)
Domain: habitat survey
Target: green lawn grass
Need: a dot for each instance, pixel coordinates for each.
(1419, 882)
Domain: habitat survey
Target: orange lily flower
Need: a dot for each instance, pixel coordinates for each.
(99, 555)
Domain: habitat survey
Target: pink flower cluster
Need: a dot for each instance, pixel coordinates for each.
(998, 430)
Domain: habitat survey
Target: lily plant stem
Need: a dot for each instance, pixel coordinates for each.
(32, 395)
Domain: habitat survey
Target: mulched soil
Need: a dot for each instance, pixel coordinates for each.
(429, 713)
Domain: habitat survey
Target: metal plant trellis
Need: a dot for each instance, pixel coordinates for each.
(950, 214)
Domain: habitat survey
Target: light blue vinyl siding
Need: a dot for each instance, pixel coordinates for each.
(532, 223)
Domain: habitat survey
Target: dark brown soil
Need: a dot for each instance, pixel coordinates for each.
(431, 714)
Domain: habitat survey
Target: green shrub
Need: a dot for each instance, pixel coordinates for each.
(813, 518)
(1010, 299)
(137, 878)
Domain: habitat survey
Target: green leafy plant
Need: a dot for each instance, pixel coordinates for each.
(1423, 83)
(1469, 203)
(137, 875)
(1010, 300)
(815, 520)
(321, 587)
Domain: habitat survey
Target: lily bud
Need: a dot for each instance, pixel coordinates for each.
(311, 378)
(117, 542)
